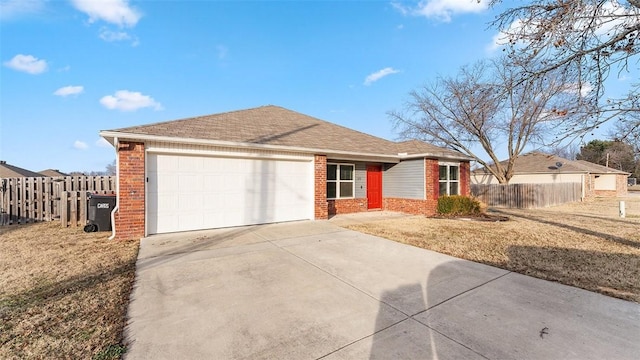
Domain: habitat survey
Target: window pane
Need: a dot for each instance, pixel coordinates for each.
(331, 190)
(443, 172)
(453, 172)
(453, 188)
(346, 189)
(443, 188)
(346, 172)
(332, 171)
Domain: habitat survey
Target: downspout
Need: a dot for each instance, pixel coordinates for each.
(115, 209)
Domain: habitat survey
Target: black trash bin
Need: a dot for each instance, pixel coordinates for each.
(99, 214)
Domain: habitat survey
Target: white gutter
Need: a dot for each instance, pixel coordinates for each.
(113, 212)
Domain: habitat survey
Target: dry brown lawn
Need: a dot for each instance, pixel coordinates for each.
(586, 245)
(63, 292)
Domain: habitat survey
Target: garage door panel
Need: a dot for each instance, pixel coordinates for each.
(166, 164)
(191, 192)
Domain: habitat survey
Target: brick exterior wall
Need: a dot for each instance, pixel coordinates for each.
(620, 191)
(410, 206)
(131, 190)
(432, 179)
(321, 209)
(465, 178)
(621, 185)
(588, 186)
(347, 206)
(431, 186)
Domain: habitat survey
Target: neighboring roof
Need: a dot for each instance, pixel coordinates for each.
(10, 171)
(540, 163)
(52, 173)
(277, 126)
(599, 169)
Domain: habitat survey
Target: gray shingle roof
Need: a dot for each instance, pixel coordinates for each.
(540, 163)
(421, 147)
(11, 171)
(274, 125)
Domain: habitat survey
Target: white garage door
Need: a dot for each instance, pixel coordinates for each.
(196, 192)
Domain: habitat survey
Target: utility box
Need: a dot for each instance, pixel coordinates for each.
(99, 212)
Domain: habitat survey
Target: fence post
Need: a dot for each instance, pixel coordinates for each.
(64, 220)
(73, 216)
(83, 208)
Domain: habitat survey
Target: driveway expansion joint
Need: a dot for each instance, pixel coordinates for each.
(462, 293)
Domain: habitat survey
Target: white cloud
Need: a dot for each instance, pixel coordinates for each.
(80, 145)
(111, 36)
(108, 35)
(10, 9)
(27, 63)
(583, 89)
(116, 12)
(442, 10)
(125, 100)
(379, 75)
(103, 143)
(69, 90)
(586, 89)
(404, 10)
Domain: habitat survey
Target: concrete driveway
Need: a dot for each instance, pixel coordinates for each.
(312, 290)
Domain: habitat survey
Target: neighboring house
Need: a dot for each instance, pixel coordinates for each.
(11, 171)
(52, 173)
(540, 168)
(270, 164)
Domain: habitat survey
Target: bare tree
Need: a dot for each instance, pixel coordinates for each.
(584, 39)
(628, 130)
(568, 151)
(489, 104)
(111, 169)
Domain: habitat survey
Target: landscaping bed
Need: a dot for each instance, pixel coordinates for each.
(63, 292)
(586, 245)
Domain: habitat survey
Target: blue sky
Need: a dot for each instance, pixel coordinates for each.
(73, 68)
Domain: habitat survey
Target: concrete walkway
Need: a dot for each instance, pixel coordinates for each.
(312, 290)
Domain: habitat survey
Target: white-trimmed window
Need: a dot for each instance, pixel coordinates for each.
(449, 179)
(340, 182)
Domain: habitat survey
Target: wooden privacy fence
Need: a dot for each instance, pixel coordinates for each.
(527, 196)
(31, 199)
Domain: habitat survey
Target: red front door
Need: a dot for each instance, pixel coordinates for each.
(374, 186)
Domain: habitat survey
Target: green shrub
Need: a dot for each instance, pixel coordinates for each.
(458, 205)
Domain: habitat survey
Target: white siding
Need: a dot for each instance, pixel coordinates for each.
(404, 180)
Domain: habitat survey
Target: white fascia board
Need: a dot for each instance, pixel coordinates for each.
(245, 154)
(249, 146)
